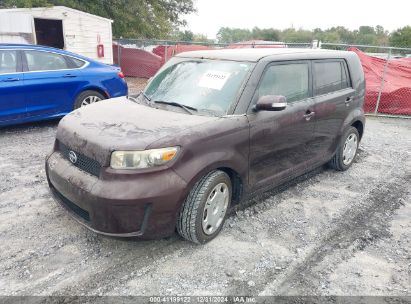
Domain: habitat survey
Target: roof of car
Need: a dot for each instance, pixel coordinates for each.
(256, 54)
(21, 45)
(41, 47)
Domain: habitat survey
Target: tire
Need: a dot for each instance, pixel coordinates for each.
(92, 96)
(194, 218)
(341, 161)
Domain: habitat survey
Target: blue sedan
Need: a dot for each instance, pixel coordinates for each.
(38, 83)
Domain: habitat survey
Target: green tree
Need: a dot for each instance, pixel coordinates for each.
(365, 34)
(183, 36)
(132, 18)
(231, 35)
(268, 34)
(202, 38)
(293, 35)
(401, 37)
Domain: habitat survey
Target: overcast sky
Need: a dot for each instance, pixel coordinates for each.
(309, 14)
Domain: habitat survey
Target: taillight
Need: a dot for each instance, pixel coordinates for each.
(120, 74)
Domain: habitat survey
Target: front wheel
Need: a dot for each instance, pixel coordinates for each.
(87, 97)
(204, 211)
(346, 151)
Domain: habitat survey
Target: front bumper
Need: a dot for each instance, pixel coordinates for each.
(132, 205)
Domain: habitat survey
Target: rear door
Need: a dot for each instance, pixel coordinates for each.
(280, 141)
(12, 103)
(333, 96)
(51, 82)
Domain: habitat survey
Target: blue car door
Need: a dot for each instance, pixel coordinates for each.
(51, 82)
(12, 99)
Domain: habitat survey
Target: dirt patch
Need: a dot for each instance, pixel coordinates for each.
(328, 233)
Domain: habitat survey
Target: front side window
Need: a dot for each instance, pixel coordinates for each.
(8, 61)
(330, 76)
(45, 61)
(211, 85)
(289, 80)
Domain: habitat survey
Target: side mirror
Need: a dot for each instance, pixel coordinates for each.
(271, 103)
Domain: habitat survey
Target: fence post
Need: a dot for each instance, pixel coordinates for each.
(119, 52)
(382, 82)
(165, 53)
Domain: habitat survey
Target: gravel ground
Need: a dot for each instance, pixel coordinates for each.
(135, 84)
(328, 233)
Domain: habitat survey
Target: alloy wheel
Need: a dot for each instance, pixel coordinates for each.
(215, 208)
(89, 100)
(350, 148)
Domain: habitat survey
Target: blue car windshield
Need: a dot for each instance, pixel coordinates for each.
(210, 85)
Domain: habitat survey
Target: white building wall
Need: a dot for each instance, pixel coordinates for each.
(80, 30)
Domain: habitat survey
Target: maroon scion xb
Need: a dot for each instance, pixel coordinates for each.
(211, 129)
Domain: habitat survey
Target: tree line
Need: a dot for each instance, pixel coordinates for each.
(161, 19)
(366, 35)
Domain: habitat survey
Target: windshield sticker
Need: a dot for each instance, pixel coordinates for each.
(214, 80)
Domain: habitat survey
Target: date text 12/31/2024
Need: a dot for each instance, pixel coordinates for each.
(203, 299)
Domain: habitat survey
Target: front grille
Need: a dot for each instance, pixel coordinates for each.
(83, 162)
(73, 207)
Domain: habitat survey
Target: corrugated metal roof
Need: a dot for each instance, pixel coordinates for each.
(22, 10)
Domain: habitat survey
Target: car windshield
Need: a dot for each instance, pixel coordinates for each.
(206, 85)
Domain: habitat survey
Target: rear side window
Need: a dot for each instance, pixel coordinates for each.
(330, 76)
(290, 80)
(8, 61)
(75, 63)
(45, 61)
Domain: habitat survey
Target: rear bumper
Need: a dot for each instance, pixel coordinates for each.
(144, 205)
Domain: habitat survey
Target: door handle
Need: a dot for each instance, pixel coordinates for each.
(69, 76)
(348, 100)
(10, 79)
(308, 115)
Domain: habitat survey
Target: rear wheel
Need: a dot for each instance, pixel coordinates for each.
(88, 97)
(204, 211)
(347, 150)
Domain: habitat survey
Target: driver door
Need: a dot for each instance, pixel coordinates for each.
(280, 140)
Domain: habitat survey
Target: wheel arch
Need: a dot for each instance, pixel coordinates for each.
(237, 180)
(94, 88)
(358, 124)
(355, 119)
(236, 183)
(85, 89)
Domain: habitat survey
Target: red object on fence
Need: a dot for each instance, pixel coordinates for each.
(136, 62)
(396, 93)
(175, 49)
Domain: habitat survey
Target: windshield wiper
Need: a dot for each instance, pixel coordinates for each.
(148, 99)
(138, 99)
(188, 109)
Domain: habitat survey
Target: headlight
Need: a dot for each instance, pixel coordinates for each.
(142, 159)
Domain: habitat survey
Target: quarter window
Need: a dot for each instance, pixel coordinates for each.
(330, 76)
(290, 80)
(45, 61)
(77, 63)
(8, 61)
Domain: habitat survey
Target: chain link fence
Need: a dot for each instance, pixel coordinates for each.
(388, 78)
(142, 58)
(387, 69)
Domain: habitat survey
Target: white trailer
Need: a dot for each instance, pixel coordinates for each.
(61, 27)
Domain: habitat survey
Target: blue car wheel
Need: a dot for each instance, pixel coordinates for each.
(88, 97)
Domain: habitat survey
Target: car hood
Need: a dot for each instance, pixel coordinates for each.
(120, 124)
